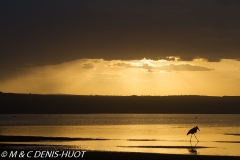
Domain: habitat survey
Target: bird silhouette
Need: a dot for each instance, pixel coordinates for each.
(193, 131)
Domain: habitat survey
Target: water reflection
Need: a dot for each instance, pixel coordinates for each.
(193, 149)
(155, 133)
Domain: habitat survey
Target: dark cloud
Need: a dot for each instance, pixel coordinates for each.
(88, 66)
(184, 67)
(37, 33)
(227, 3)
(169, 68)
(123, 64)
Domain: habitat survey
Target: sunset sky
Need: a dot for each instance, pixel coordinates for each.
(120, 47)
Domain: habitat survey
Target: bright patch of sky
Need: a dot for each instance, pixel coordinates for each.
(138, 77)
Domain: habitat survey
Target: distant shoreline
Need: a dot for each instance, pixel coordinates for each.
(82, 104)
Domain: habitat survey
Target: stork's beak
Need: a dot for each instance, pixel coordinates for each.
(197, 128)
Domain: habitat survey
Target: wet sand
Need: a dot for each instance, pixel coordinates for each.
(105, 155)
(16, 146)
(102, 155)
(151, 156)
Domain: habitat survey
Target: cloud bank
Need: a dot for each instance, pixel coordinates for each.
(36, 33)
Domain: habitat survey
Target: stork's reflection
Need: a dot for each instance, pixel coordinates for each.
(193, 148)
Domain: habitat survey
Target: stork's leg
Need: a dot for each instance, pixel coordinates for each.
(190, 137)
(196, 138)
(196, 144)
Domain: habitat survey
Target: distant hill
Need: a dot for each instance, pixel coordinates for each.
(72, 104)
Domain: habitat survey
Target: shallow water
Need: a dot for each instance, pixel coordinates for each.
(155, 133)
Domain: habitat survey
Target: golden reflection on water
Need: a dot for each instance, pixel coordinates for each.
(134, 138)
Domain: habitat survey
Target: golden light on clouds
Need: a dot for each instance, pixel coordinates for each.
(135, 77)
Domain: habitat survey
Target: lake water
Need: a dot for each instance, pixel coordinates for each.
(153, 133)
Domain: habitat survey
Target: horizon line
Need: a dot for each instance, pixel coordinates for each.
(130, 95)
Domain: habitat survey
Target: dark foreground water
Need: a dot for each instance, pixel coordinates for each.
(153, 133)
